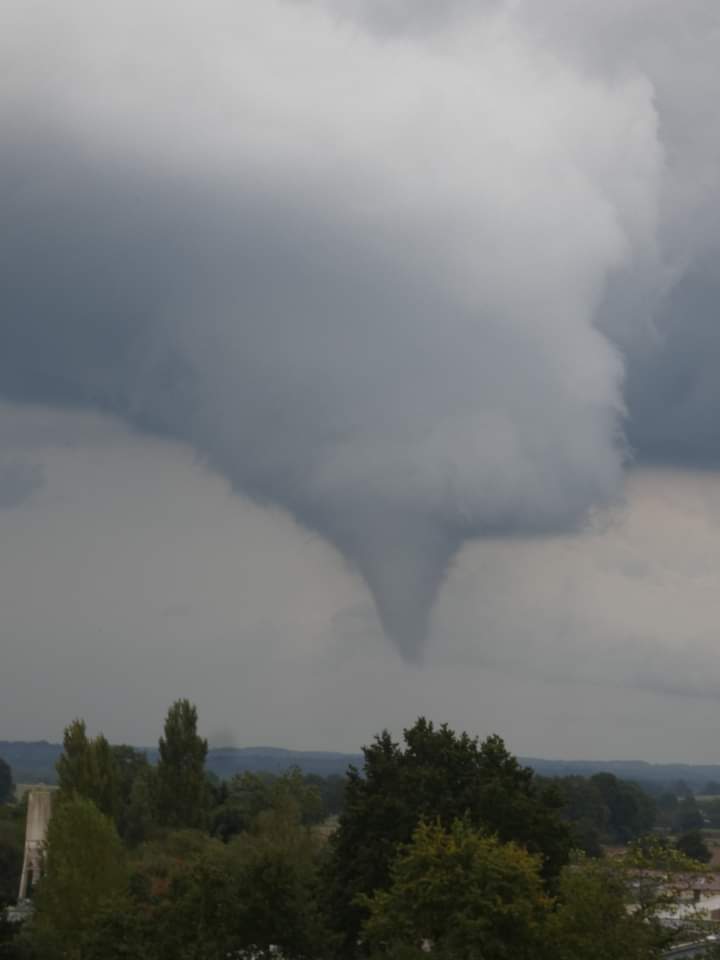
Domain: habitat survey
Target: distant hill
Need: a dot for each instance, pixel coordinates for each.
(696, 776)
(35, 763)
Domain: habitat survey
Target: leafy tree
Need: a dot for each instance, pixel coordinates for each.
(246, 795)
(438, 776)
(105, 785)
(135, 794)
(12, 841)
(182, 793)
(138, 818)
(123, 930)
(711, 809)
(11, 858)
(195, 898)
(653, 852)
(275, 867)
(74, 766)
(85, 870)
(7, 787)
(631, 812)
(238, 802)
(466, 893)
(331, 790)
(666, 804)
(687, 816)
(87, 768)
(595, 919)
(585, 811)
(693, 846)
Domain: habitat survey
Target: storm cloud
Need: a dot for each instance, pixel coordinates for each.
(379, 267)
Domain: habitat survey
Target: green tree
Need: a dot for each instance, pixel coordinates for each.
(87, 767)
(74, 766)
(139, 818)
(12, 841)
(134, 777)
(182, 793)
(85, 870)
(275, 870)
(630, 811)
(653, 852)
(239, 801)
(438, 776)
(711, 809)
(693, 846)
(465, 892)
(601, 916)
(7, 787)
(11, 857)
(687, 816)
(195, 898)
(585, 811)
(666, 804)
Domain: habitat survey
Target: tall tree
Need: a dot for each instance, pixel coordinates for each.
(134, 777)
(438, 776)
(6, 782)
(87, 768)
(85, 871)
(74, 766)
(138, 816)
(631, 812)
(182, 792)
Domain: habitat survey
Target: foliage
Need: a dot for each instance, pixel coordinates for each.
(247, 795)
(441, 839)
(630, 811)
(693, 846)
(85, 869)
(599, 917)
(666, 805)
(194, 898)
(87, 768)
(438, 776)
(585, 811)
(464, 892)
(11, 858)
(653, 852)
(12, 840)
(134, 801)
(711, 810)
(604, 809)
(137, 819)
(687, 816)
(182, 793)
(7, 787)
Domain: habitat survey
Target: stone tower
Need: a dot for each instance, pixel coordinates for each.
(38, 816)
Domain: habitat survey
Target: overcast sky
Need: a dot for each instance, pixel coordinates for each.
(358, 359)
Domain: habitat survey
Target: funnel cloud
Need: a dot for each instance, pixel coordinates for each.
(412, 277)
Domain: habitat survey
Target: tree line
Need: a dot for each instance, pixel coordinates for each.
(442, 842)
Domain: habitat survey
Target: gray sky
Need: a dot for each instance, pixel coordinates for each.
(360, 361)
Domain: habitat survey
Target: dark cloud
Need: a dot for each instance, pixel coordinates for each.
(358, 270)
(673, 387)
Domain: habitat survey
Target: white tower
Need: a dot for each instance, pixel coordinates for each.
(38, 816)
